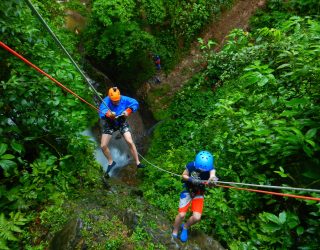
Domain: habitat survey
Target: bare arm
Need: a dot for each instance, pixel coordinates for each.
(185, 175)
(212, 174)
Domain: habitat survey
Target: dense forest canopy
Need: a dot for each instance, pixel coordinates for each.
(122, 40)
(255, 106)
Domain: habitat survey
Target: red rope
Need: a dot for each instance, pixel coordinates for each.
(45, 74)
(272, 193)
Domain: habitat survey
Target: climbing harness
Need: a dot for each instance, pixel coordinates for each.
(55, 38)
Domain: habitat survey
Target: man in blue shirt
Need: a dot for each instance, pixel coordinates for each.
(194, 177)
(114, 110)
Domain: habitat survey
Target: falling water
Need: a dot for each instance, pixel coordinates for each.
(118, 148)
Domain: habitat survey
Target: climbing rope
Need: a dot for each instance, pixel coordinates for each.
(55, 38)
(46, 74)
(161, 169)
(273, 187)
(273, 193)
(254, 185)
(238, 183)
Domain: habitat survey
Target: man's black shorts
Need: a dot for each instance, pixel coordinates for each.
(110, 126)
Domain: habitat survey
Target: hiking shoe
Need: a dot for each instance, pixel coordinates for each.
(110, 166)
(175, 236)
(140, 165)
(184, 234)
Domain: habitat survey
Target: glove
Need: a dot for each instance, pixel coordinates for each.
(127, 112)
(110, 114)
(214, 181)
(194, 181)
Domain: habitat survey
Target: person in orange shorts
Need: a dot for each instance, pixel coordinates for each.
(197, 172)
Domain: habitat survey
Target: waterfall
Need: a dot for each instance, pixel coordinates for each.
(118, 148)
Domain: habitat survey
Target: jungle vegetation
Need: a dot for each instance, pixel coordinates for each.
(255, 106)
(43, 156)
(122, 40)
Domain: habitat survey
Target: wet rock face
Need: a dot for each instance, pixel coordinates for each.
(120, 218)
(69, 237)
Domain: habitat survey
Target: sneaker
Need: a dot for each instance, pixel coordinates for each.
(175, 236)
(110, 166)
(184, 234)
(140, 165)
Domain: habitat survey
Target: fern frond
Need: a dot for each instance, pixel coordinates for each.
(3, 245)
(5, 232)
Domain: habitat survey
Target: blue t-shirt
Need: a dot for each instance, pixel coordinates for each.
(125, 102)
(197, 174)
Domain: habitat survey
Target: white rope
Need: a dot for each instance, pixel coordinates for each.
(238, 183)
(269, 186)
(56, 39)
(159, 167)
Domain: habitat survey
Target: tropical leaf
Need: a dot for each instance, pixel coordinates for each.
(282, 217)
(271, 217)
(311, 133)
(17, 147)
(3, 148)
(7, 164)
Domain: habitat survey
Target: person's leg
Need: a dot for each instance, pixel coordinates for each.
(177, 222)
(197, 207)
(105, 139)
(196, 217)
(128, 138)
(184, 204)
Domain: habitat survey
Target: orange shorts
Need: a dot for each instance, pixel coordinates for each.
(186, 200)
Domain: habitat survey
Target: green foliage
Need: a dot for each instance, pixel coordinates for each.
(305, 6)
(189, 17)
(110, 12)
(77, 6)
(262, 124)
(154, 10)
(157, 106)
(55, 216)
(9, 228)
(139, 235)
(122, 35)
(280, 226)
(112, 228)
(279, 11)
(6, 161)
(42, 160)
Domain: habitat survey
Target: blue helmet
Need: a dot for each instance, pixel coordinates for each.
(204, 161)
